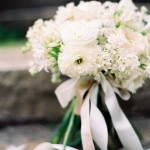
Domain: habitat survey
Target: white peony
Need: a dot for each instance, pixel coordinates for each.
(80, 33)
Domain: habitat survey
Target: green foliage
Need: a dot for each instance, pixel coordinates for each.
(118, 13)
(55, 51)
(11, 34)
(118, 24)
(144, 33)
(143, 66)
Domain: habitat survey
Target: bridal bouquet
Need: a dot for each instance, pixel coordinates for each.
(105, 50)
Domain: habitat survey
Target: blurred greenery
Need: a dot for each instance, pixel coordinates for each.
(10, 45)
(10, 35)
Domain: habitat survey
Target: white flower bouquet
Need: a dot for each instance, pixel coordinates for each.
(105, 50)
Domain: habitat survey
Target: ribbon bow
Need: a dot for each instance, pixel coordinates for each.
(93, 125)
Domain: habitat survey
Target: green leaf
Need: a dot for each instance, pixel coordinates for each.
(144, 33)
(144, 22)
(143, 66)
(117, 13)
(54, 52)
(64, 124)
(56, 49)
(53, 55)
(117, 25)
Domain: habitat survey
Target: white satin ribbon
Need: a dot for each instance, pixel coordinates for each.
(89, 130)
(86, 135)
(93, 125)
(125, 131)
(97, 121)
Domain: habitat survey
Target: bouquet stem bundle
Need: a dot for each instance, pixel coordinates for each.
(69, 131)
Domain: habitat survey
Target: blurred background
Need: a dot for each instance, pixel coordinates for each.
(29, 112)
(17, 15)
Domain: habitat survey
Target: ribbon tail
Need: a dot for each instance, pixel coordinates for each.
(87, 140)
(98, 127)
(122, 93)
(121, 124)
(97, 121)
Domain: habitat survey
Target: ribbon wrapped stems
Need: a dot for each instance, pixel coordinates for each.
(93, 124)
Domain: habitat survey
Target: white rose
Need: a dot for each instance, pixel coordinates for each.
(83, 9)
(137, 41)
(80, 33)
(64, 13)
(129, 40)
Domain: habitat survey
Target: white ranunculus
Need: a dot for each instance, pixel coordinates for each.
(80, 33)
(76, 61)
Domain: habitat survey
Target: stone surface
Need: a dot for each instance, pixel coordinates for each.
(141, 101)
(34, 134)
(23, 97)
(31, 135)
(143, 124)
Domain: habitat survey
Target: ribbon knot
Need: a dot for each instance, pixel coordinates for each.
(93, 124)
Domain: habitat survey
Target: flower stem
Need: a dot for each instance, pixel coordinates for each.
(68, 130)
(63, 126)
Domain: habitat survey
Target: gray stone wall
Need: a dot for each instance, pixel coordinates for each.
(23, 97)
